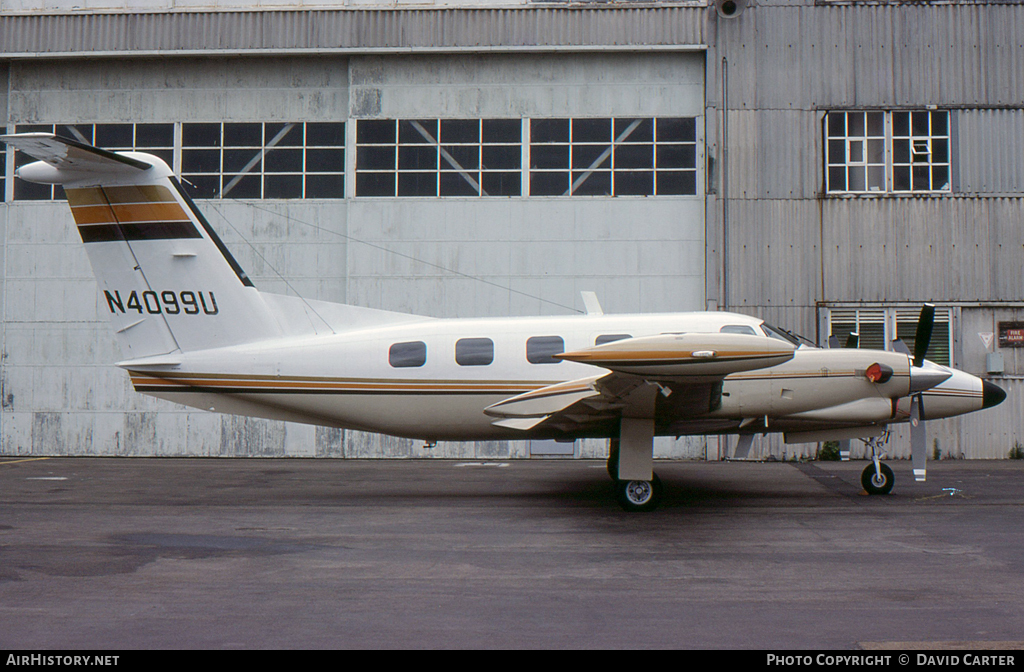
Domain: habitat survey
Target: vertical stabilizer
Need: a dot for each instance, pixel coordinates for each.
(165, 277)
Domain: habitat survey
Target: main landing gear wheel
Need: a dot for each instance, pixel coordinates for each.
(877, 484)
(639, 495)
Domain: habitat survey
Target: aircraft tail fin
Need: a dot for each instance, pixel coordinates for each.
(168, 281)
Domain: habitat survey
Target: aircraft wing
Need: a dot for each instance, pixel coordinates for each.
(687, 370)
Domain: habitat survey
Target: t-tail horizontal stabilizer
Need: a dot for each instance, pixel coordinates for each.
(166, 279)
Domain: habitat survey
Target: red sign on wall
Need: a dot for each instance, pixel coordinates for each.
(1011, 334)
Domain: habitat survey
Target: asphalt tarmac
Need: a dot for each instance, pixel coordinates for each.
(107, 553)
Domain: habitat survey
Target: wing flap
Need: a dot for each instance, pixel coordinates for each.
(545, 401)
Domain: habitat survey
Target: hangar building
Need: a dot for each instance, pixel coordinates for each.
(826, 165)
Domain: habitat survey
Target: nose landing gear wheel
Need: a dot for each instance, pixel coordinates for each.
(639, 495)
(877, 484)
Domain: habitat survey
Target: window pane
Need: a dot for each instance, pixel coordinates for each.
(610, 338)
(243, 135)
(325, 160)
(677, 130)
(677, 156)
(901, 123)
(501, 156)
(375, 158)
(549, 184)
(283, 161)
(837, 179)
(286, 135)
(680, 183)
(325, 186)
(237, 159)
(876, 124)
(418, 132)
(200, 135)
(549, 156)
(474, 351)
(549, 130)
(592, 130)
(456, 184)
(200, 161)
(901, 151)
(375, 184)
(540, 349)
(247, 186)
(901, 178)
(502, 130)
(502, 184)
(919, 123)
(591, 156)
(417, 184)
(634, 183)
(855, 124)
(466, 157)
(634, 156)
(202, 186)
(460, 130)
(644, 132)
(154, 135)
(282, 186)
(328, 134)
(837, 151)
(837, 124)
(597, 183)
(876, 178)
(922, 178)
(377, 131)
(115, 135)
(409, 354)
(856, 181)
(417, 158)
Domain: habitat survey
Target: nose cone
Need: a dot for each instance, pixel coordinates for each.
(991, 394)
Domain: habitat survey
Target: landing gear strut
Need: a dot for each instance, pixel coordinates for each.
(877, 478)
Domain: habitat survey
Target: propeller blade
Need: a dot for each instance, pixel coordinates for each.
(918, 439)
(899, 346)
(924, 333)
(833, 342)
(852, 340)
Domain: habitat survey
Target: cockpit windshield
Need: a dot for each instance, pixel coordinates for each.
(785, 335)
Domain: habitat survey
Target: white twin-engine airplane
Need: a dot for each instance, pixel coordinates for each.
(196, 331)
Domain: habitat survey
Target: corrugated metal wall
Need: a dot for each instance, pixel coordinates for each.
(349, 30)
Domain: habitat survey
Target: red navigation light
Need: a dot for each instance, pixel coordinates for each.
(878, 373)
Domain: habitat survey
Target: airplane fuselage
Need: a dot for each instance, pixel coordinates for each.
(407, 380)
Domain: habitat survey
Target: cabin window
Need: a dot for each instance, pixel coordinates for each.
(610, 338)
(409, 354)
(474, 351)
(738, 329)
(542, 349)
